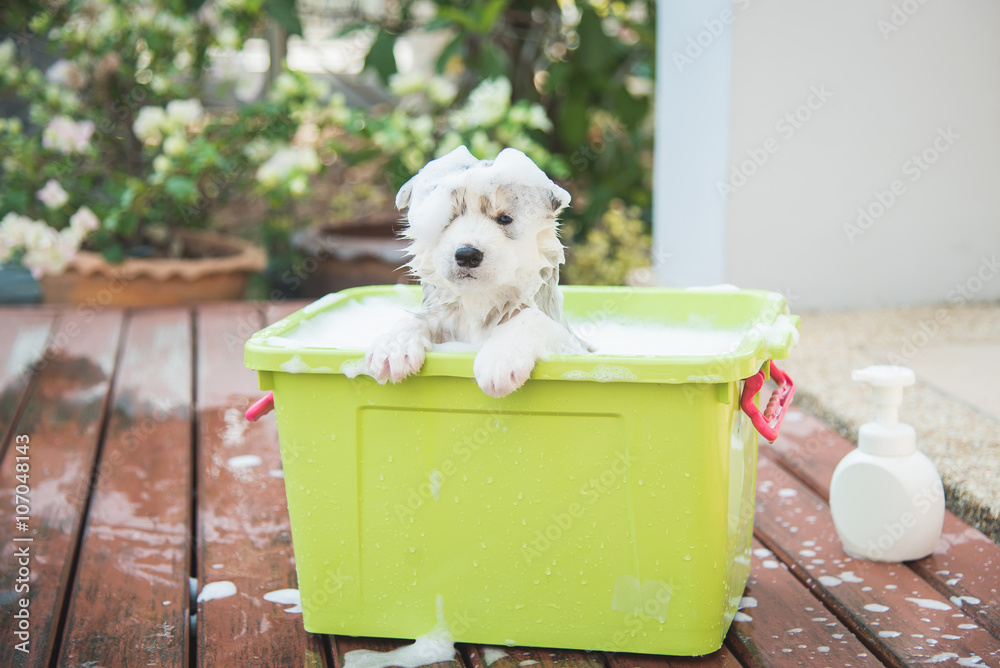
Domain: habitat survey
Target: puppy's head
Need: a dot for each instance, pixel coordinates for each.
(484, 225)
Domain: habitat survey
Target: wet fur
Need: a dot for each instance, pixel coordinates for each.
(510, 304)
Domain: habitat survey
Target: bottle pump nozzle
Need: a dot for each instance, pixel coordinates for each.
(886, 434)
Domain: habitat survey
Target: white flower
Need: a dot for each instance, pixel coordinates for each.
(83, 221)
(66, 135)
(448, 143)
(52, 256)
(148, 125)
(422, 127)
(284, 162)
(538, 119)
(174, 145)
(228, 37)
(442, 91)
(52, 195)
(66, 73)
(45, 250)
(406, 84)
(298, 185)
(257, 150)
(162, 164)
(486, 106)
(183, 60)
(184, 112)
(7, 52)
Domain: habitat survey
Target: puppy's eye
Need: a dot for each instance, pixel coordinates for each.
(505, 219)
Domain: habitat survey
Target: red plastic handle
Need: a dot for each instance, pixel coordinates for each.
(769, 422)
(261, 407)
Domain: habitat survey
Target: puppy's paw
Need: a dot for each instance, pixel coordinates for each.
(499, 372)
(396, 355)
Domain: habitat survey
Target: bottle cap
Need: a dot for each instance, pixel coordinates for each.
(886, 436)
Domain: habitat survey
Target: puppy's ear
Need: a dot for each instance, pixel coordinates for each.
(549, 298)
(427, 195)
(403, 196)
(558, 198)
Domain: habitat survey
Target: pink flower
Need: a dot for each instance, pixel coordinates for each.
(66, 73)
(83, 221)
(52, 195)
(65, 135)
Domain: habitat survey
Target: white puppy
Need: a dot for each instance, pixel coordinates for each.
(485, 247)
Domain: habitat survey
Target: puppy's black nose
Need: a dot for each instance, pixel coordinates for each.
(467, 256)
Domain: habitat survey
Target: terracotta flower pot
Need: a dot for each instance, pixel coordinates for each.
(221, 275)
(367, 251)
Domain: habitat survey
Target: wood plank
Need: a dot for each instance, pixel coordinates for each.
(485, 656)
(782, 623)
(965, 567)
(130, 599)
(242, 519)
(23, 339)
(896, 613)
(59, 432)
(724, 658)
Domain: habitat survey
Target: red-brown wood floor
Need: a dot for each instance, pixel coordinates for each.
(120, 424)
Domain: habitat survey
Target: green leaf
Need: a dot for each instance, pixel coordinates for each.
(181, 188)
(284, 12)
(454, 47)
(114, 253)
(489, 15)
(381, 57)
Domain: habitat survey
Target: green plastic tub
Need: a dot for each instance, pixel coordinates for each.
(573, 513)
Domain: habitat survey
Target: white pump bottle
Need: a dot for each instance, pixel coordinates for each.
(886, 497)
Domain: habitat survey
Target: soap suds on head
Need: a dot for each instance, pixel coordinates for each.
(214, 590)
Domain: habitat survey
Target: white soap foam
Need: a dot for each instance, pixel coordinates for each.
(427, 649)
(930, 604)
(747, 602)
(353, 325)
(288, 597)
(436, 646)
(436, 478)
(236, 424)
(295, 365)
(493, 654)
(214, 590)
(876, 607)
(243, 461)
(742, 617)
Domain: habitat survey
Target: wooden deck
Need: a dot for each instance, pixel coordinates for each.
(121, 423)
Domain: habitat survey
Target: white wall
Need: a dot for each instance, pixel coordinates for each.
(879, 99)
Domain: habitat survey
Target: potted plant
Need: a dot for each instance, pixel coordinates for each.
(108, 186)
(568, 83)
